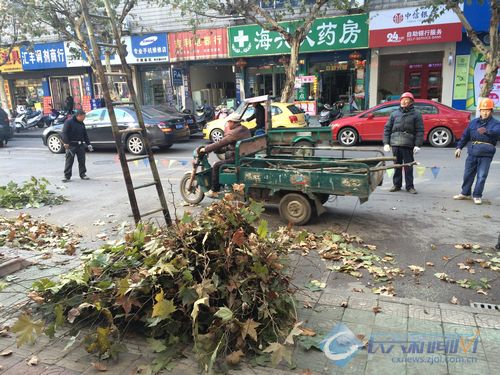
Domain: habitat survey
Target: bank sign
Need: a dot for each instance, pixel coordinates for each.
(326, 34)
(407, 26)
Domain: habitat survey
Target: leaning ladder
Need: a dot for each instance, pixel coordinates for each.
(117, 133)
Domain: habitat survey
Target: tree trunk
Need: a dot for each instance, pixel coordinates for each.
(291, 70)
(112, 89)
(3, 96)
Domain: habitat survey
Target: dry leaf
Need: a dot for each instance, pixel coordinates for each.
(307, 332)
(306, 372)
(343, 304)
(4, 333)
(433, 247)
(37, 298)
(371, 247)
(482, 291)
(357, 290)
(377, 309)
(234, 358)
(417, 270)
(463, 266)
(445, 258)
(430, 264)
(307, 305)
(99, 366)
(6, 353)
(33, 361)
(459, 246)
(454, 300)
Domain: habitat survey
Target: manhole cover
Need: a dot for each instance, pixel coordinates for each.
(485, 306)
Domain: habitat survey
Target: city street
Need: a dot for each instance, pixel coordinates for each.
(416, 229)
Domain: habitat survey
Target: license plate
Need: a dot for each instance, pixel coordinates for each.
(179, 126)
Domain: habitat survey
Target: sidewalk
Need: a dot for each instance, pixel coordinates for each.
(405, 336)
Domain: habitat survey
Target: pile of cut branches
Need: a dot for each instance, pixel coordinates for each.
(215, 281)
(32, 193)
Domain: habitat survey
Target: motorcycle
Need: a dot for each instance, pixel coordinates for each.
(28, 119)
(329, 113)
(50, 118)
(204, 113)
(62, 117)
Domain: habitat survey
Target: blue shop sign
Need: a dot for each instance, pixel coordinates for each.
(150, 46)
(44, 56)
(177, 77)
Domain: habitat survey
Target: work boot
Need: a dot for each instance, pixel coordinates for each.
(394, 188)
(65, 179)
(85, 177)
(461, 197)
(411, 191)
(478, 201)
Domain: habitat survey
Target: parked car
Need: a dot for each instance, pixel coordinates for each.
(188, 117)
(5, 128)
(442, 124)
(285, 115)
(163, 130)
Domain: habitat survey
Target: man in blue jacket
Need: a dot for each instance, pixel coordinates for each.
(481, 136)
(404, 132)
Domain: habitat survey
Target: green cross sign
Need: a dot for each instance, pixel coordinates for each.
(326, 34)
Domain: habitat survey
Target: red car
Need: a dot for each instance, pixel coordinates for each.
(442, 124)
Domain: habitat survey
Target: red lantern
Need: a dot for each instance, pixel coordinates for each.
(355, 55)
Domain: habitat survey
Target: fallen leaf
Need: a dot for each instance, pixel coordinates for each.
(377, 309)
(307, 331)
(72, 314)
(343, 304)
(371, 247)
(306, 372)
(6, 353)
(459, 246)
(33, 361)
(454, 300)
(433, 247)
(476, 246)
(307, 305)
(430, 264)
(234, 358)
(37, 298)
(357, 290)
(463, 266)
(445, 258)
(482, 291)
(99, 366)
(417, 270)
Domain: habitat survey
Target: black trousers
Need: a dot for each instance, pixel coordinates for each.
(215, 173)
(403, 155)
(71, 152)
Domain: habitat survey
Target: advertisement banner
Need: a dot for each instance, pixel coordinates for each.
(13, 63)
(75, 57)
(326, 34)
(200, 45)
(476, 76)
(461, 75)
(44, 56)
(149, 48)
(407, 26)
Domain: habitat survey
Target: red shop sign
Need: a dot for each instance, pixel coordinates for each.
(200, 45)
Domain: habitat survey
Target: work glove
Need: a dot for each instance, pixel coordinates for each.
(90, 148)
(457, 153)
(387, 148)
(416, 149)
(481, 130)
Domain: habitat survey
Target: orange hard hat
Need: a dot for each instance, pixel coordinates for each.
(486, 103)
(407, 95)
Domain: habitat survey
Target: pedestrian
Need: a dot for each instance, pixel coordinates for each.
(236, 133)
(404, 132)
(70, 103)
(259, 115)
(76, 141)
(481, 137)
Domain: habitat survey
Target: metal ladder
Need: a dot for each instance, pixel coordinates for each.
(117, 133)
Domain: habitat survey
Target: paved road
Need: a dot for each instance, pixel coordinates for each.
(400, 223)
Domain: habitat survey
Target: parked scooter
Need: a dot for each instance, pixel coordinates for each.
(204, 113)
(62, 117)
(28, 119)
(50, 118)
(329, 113)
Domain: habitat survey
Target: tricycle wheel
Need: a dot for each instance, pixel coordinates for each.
(301, 150)
(295, 208)
(194, 196)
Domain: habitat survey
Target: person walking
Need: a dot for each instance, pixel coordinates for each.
(234, 133)
(481, 137)
(404, 132)
(76, 141)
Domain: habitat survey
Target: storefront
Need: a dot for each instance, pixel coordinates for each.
(334, 79)
(202, 71)
(409, 54)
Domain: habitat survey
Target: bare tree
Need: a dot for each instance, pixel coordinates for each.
(268, 18)
(490, 52)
